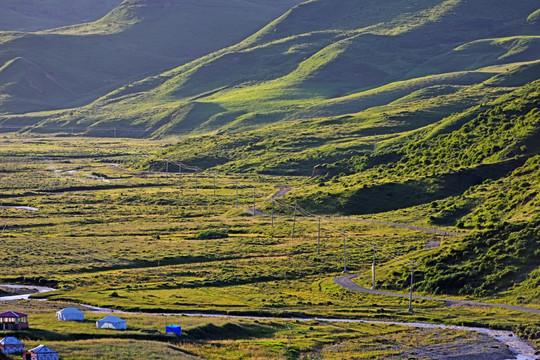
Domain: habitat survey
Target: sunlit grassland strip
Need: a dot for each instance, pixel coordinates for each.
(141, 244)
(230, 338)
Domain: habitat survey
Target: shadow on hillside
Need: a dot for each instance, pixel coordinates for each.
(393, 196)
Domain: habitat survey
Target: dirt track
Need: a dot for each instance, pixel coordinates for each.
(347, 283)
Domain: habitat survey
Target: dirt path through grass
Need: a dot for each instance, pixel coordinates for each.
(284, 189)
(347, 283)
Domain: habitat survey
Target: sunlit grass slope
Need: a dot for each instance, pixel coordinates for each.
(73, 65)
(312, 57)
(480, 171)
(35, 15)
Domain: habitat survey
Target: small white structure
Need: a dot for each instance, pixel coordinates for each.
(11, 345)
(112, 322)
(40, 353)
(70, 314)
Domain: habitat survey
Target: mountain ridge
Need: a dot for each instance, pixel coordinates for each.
(279, 71)
(134, 41)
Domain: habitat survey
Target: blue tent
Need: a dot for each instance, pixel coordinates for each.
(175, 329)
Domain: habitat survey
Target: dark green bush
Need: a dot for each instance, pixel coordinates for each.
(211, 234)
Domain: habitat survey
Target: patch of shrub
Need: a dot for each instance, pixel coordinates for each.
(211, 234)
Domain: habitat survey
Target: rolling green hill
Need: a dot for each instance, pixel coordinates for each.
(73, 65)
(441, 160)
(35, 15)
(479, 170)
(423, 112)
(322, 58)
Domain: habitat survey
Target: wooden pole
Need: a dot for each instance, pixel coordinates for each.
(412, 265)
(344, 256)
(254, 201)
(294, 222)
(373, 287)
(180, 175)
(272, 213)
(237, 194)
(319, 238)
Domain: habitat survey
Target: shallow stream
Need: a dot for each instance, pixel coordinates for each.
(519, 347)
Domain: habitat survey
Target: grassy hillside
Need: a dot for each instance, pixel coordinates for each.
(484, 175)
(76, 64)
(35, 15)
(464, 149)
(108, 234)
(310, 61)
(476, 169)
(416, 113)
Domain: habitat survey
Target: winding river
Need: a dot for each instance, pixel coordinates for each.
(519, 347)
(28, 208)
(32, 290)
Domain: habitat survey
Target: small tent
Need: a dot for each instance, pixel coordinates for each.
(111, 322)
(11, 345)
(70, 314)
(40, 353)
(175, 329)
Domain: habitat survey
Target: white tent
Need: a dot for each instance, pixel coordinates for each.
(70, 314)
(11, 345)
(112, 322)
(41, 353)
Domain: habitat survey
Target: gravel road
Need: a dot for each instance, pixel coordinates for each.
(347, 283)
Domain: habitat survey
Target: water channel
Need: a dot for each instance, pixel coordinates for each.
(519, 347)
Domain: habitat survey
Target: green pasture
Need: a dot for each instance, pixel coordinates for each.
(114, 230)
(231, 338)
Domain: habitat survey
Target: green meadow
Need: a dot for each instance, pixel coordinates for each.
(229, 338)
(168, 157)
(113, 232)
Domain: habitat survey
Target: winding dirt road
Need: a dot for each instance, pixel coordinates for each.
(347, 283)
(284, 189)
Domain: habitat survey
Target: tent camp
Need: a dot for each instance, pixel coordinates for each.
(111, 322)
(40, 353)
(11, 345)
(70, 314)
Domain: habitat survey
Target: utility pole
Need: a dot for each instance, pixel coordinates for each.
(180, 175)
(253, 201)
(237, 194)
(290, 335)
(412, 265)
(272, 213)
(319, 238)
(294, 222)
(373, 287)
(345, 271)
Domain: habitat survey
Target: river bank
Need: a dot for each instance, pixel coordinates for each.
(484, 340)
